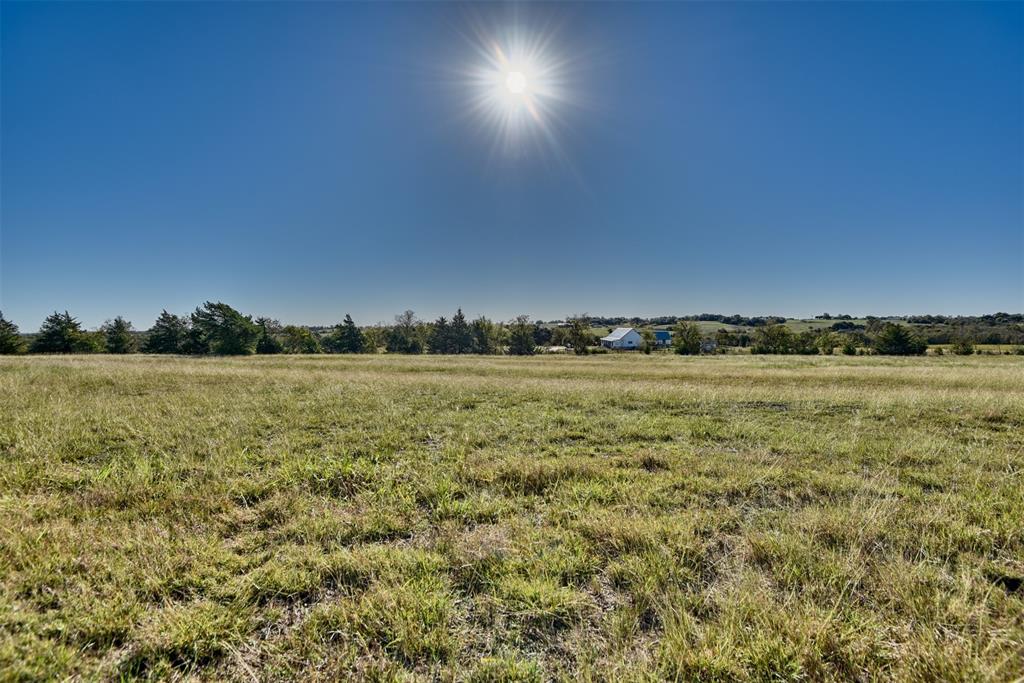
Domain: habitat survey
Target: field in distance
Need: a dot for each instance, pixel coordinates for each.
(497, 518)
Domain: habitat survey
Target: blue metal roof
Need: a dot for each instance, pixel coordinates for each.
(662, 335)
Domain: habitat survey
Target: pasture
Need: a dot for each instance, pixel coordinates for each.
(620, 517)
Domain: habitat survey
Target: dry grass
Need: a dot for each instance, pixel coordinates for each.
(498, 519)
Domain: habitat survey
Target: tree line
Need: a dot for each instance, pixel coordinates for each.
(215, 328)
(884, 338)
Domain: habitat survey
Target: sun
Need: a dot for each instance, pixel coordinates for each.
(518, 87)
(516, 82)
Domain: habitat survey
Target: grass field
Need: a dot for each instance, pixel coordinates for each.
(608, 518)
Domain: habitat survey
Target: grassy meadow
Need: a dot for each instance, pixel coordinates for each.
(620, 517)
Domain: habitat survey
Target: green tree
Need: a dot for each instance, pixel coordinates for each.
(773, 339)
(195, 342)
(521, 340)
(541, 335)
(406, 335)
(649, 340)
(560, 336)
(874, 325)
(374, 337)
(62, 333)
(296, 339)
(488, 337)
(346, 338)
(11, 341)
(460, 335)
(724, 337)
(268, 342)
(686, 338)
(118, 336)
(578, 334)
(849, 346)
(805, 343)
(225, 331)
(440, 336)
(898, 340)
(826, 342)
(167, 335)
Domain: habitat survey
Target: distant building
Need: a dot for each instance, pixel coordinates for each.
(662, 338)
(622, 338)
(708, 346)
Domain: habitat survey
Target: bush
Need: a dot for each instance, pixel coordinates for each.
(963, 346)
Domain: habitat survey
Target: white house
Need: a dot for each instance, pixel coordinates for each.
(622, 338)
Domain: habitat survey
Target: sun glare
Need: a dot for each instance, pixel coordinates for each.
(516, 82)
(518, 87)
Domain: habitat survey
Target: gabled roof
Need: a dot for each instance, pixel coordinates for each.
(617, 334)
(662, 335)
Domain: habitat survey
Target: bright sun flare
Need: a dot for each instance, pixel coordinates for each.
(516, 82)
(518, 87)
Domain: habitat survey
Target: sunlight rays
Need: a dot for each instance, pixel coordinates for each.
(518, 88)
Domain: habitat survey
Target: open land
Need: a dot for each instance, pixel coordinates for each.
(493, 518)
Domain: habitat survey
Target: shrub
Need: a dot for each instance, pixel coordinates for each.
(963, 346)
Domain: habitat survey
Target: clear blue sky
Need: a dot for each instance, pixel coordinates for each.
(307, 160)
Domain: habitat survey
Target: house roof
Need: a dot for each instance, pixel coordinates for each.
(662, 335)
(617, 334)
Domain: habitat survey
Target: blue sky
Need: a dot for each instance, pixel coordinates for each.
(307, 160)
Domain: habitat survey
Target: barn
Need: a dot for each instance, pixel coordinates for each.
(622, 338)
